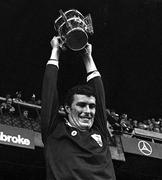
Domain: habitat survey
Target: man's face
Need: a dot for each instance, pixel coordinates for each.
(25, 113)
(81, 113)
(9, 101)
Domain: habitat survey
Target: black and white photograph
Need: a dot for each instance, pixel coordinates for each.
(81, 90)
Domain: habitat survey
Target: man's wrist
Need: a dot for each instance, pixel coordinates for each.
(87, 55)
(55, 53)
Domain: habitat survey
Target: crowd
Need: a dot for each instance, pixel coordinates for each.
(16, 114)
(125, 124)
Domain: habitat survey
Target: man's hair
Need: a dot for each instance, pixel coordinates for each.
(79, 89)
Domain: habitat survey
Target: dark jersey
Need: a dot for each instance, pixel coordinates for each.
(71, 154)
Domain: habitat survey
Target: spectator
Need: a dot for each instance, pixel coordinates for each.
(18, 97)
(26, 120)
(6, 107)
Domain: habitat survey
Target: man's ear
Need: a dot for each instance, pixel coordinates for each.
(67, 109)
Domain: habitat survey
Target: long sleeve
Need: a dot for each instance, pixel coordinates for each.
(100, 117)
(50, 102)
(94, 80)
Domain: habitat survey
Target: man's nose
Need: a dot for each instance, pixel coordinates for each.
(87, 109)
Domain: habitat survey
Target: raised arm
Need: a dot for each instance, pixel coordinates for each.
(50, 102)
(94, 80)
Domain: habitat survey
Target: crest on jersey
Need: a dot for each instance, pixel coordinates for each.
(98, 139)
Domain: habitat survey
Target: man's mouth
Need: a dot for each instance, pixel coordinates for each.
(85, 118)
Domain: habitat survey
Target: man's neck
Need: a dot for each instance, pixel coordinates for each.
(69, 124)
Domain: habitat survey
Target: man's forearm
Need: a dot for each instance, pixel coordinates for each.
(89, 63)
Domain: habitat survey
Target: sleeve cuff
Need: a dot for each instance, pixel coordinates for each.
(53, 62)
(92, 75)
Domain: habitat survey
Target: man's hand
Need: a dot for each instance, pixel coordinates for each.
(88, 49)
(55, 42)
(88, 59)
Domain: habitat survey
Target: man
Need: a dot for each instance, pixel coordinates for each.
(7, 107)
(26, 120)
(76, 146)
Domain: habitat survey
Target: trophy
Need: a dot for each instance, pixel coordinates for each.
(73, 29)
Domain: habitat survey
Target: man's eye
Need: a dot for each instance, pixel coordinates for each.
(82, 104)
(92, 106)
